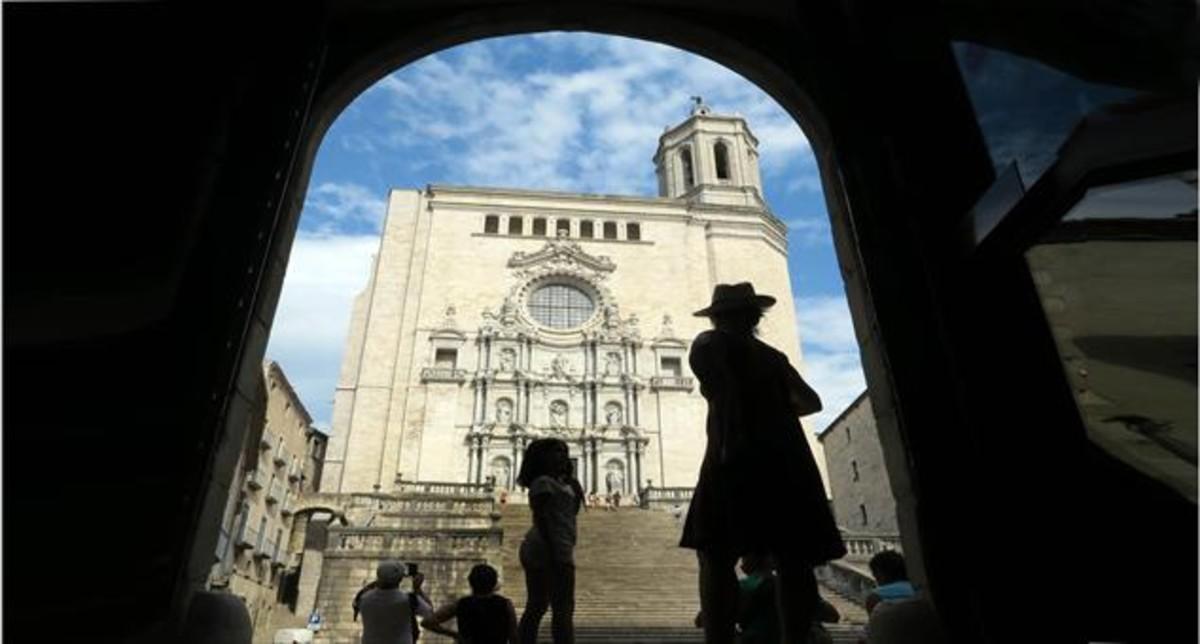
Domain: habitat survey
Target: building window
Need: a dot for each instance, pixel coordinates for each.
(445, 358)
(847, 434)
(562, 227)
(586, 229)
(610, 230)
(671, 367)
(862, 510)
(633, 232)
(854, 470)
(491, 224)
(539, 226)
(561, 306)
(689, 177)
(516, 226)
(721, 154)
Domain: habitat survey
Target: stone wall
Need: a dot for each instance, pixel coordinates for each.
(857, 474)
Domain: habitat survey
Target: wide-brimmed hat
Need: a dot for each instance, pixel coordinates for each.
(732, 297)
(389, 572)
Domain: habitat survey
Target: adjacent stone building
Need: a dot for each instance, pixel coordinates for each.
(257, 555)
(494, 316)
(862, 495)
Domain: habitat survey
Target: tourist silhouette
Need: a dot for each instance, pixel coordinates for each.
(483, 617)
(759, 490)
(548, 551)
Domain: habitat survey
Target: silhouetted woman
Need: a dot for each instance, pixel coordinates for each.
(759, 488)
(548, 551)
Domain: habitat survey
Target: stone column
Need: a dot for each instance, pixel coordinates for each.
(470, 458)
(478, 411)
(479, 459)
(518, 406)
(583, 462)
(633, 360)
(628, 405)
(639, 448)
(628, 466)
(595, 465)
(635, 419)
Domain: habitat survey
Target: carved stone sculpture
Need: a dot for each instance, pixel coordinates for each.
(508, 358)
(612, 415)
(612, 364)
(558, 414)
(504, 410)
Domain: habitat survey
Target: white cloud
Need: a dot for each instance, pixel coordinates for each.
(810, 230)
(324, 275)
(332, 206)
(591, 130)
(831, 358)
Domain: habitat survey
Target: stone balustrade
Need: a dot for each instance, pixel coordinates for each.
(663, 497)
(671, 383)
(444, 488)
(443, 374)
(354, 542)
(867, 546)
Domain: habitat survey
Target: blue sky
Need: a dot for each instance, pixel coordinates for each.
(555, 111)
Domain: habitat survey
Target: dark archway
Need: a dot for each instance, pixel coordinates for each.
(189, 159)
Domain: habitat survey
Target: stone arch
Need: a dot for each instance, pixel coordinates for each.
(500, 468)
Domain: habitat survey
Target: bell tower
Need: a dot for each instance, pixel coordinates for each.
(709, 158)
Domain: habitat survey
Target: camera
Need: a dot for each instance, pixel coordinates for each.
(412, 569)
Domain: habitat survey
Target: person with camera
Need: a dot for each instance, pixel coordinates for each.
(548, 551)
(389, 615)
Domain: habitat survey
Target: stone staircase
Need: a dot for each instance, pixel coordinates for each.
(634, 583)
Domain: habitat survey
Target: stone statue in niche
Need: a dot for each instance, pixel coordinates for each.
(612, 318)
(668, 327)
(558, 414)
(612, 415)
(614, 481)
(612, 364)
(504, 409)
(560, 368)
(508, 359)
(500, 472)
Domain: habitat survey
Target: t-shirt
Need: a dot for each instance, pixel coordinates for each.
(556, 502)
(387, 617)
(484, 619)
(896, 590)
(760, 619)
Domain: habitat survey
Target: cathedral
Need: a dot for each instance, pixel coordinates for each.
(495, 316)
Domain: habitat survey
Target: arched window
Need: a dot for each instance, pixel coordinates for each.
(721, 154)
(491, 224)
(854, 470)
(862, 510)
(689, 176)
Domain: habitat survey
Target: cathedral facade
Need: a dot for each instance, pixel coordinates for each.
(496, 316)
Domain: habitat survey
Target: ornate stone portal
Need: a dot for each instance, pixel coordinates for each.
(558, 359)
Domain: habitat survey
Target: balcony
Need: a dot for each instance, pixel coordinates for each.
(443, 374)
(255, 479)
(281, 455)
(267, 440)
(671, 383)
(274, 492)
(266, 551)
(247, 538)
(286, 507)
(295, 471)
